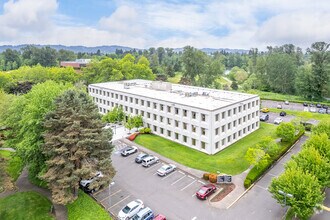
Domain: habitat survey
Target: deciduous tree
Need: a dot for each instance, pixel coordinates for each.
(286, 131)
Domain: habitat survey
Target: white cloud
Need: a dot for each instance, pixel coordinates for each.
(231, 24)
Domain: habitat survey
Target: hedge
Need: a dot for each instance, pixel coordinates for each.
(257, 171)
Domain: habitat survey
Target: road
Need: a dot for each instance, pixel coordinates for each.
(173, 195)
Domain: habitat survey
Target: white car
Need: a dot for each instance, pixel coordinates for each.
(166, 169)
(130, 209)
(279, 106)
(278, 121)
(286, 102)
(312, 109)
(128, 150)
(306, 109)
(85, 183)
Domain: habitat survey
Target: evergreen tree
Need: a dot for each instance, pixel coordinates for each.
(76, 146)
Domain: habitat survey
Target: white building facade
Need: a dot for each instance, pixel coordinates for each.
(207, 120)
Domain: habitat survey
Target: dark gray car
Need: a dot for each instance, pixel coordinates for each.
(140, 157)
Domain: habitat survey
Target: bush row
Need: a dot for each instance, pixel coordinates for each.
(212, 177)
(145, 131)
(258, 171)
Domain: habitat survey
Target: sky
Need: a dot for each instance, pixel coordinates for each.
(235, 24)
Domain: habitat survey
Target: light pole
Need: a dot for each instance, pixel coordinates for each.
(285, 195)
(111, 184)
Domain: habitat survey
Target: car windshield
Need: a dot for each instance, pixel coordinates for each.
(136, 217)
(202, 190)
(126, 209)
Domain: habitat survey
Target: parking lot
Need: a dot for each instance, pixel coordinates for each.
(161, 194)
(274, 115)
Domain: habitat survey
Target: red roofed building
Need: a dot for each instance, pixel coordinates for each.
(77, 64)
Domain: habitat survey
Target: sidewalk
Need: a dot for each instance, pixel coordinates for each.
(226, 202)
(23, 185)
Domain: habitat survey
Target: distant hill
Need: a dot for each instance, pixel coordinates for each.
(110, 49)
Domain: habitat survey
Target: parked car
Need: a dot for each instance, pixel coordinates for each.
(306, 109)
(85, 184)
(322, 111)
(318, 105)
(305, 104)
(205, 191)
(160, 217)
(325, 106)
(140, 157)
(130, 209)
(150, 160)
(128, 150)
(312, 109)
(283, 113)
(328, 111)
(286, 102)
(265, 110)
(166, 169)
(311, 105)
(278, 121)
(264, 117)
(144, 214)
(279, 106)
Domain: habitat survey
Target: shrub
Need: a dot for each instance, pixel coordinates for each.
(257, 171)
(213, 177)
(145, 131)
(206, 176)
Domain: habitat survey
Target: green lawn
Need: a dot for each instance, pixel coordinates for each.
(304, 115)
(280, 97)
(175, 79)
(14, 164)
(85, 208)
(230, 161)
(25, 205)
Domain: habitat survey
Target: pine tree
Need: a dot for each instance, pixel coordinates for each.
(76, 145)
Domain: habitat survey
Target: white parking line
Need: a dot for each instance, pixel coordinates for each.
(178, 180)
(152, 168)
(271, 174)
(261, 187)
(201, 182)
(110, 195)
(193, 195)
(191, 177)
(119, 202)
(187, 185)
(168, 175)
(182, 172)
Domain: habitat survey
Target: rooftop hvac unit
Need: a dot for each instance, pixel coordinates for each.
(162, 86)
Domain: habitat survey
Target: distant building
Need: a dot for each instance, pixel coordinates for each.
(77, 64)
(207, 120)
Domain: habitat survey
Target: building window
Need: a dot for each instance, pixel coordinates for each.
(193, 142)
(161, 118)
(223, 128)
(93, 90)
(142, 113)
(184, 126)
(252, 126)
(228, 139)
(244, 130)
(244, 118)
(155, 128)
(104, 101)
(176, 123)
(155, 117)
(244, 107)
(131, 110)
(203, 145)
(253, 115)
(203, 117)
(217, 117)
(136, 111)
(112, 95)
(155, 105)
(184, 138)
(168, 121)
(229, 112)
(249, 127)
(203, 131)
(193, 115)
(239, 108)
(217, 131)
(229, 125)
(148, 103)
(234, 123)
(116, 96)
(223, 115)
(249, 105)
(131, 100)
(234, 136)
(161, 107)
(104, 93)
(257, 124)
(169, 133)
(239, 121)
(257, 113)
(184, 113)
(234, 111)
(176, 111)
(148, 115)
(126, 98)
(136, 101)
(176, 136)
(223, 142)
(108, 103)
(169, 109)
(253, 104)
(217, 145)
(161, 130)
(193, 128)
(257, 102)
(142, 102)
(108, 94)
(249, 116)
(239, 133)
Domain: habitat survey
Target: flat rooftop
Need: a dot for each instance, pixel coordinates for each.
(198, 97)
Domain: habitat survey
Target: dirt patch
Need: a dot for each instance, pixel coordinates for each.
(6, 182)
(226, 189)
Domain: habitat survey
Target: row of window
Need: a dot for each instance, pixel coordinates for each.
(225, 141)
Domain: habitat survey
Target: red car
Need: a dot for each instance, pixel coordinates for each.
(160, 217)
(205, 191)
